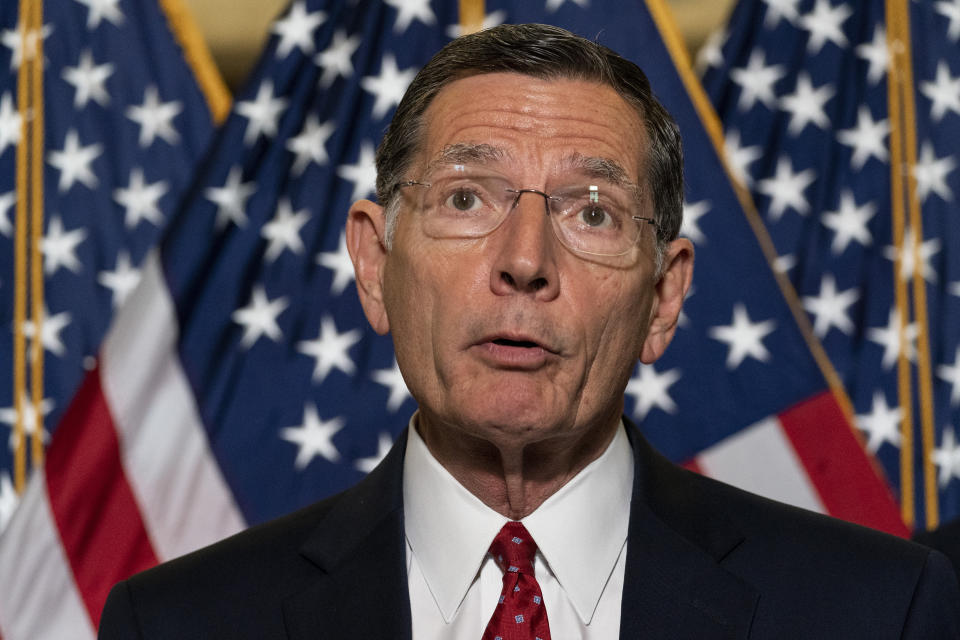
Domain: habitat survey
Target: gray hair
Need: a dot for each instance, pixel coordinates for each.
(548, 53)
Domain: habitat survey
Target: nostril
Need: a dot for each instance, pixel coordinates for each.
(506, 277)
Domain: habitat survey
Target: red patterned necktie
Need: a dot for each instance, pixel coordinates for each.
(520, 614)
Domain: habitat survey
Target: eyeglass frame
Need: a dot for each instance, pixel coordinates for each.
(546, 204)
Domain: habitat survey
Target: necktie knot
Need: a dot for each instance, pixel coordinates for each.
(513, 549)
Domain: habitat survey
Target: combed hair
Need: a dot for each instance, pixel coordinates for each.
(548, 53)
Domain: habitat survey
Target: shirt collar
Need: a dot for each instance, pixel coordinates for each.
(580, 530)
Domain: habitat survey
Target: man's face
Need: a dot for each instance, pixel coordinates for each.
(512, 337)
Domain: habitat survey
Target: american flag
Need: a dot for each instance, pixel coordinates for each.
(831, 111)
(240, 380)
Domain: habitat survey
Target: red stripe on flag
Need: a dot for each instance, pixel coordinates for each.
(96, 513)
(693, 465)
(841, 470)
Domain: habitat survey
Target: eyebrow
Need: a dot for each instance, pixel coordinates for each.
(466, 153)
(602, 169)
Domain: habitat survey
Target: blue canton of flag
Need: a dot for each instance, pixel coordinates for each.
(125, 123)
(802, 88)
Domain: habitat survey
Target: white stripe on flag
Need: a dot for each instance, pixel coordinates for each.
(184, 501)
(760, 459)
(38, 596)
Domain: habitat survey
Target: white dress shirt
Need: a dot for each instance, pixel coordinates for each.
(580, 531)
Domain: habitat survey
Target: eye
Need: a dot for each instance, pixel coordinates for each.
(463, 200)
(594, 216)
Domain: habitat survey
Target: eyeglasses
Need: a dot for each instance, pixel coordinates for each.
(590, 216)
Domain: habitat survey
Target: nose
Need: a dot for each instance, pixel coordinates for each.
(526, 252)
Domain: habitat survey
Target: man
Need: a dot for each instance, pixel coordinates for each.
(524, 258)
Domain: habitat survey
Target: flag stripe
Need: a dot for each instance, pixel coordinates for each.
(104, 541)
(847, 483)
(38, 597)
(761, 459)
(161, 434)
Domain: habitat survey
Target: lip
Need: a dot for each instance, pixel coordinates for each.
(513, 351)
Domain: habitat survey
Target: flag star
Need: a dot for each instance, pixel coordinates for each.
(259, 317)
(692, 212)
(7, 200)
(882, 424)
(392, 379)
(88, 80)
(314, 437)
(8, 501)
(283, 231)
(490, 20)
(888, 337)
(553, 5)
(388, 87)
(777, 10)
(947, 457)
(849, 222)
(711, 52)
(340, 263)
(908, 258)
(950, 9)
(877, 54)
(329, 349)
(231, 198)
(363, 174)
(262, 113)
(140, 200)
(784, 263)
(739, 158)
(335, 59)
(955, 288)
(10, 122)
(785, 189)
(50, 328)
(309, 145)
(943, 92)
(100, 9)
(866, 138)
(73, 161)
(744, 338)
(122, 280)
(296, 29)
(59, 247)
(651, 389)
(31, 419)
(408, 10)
(384, 444)
(829, 307)
(756, 81)
(950, 373)
(931, 173)
(23, 48)
(825, 23)
(805, 104)
(155, 118)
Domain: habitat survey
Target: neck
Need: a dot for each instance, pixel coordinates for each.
(514, 477)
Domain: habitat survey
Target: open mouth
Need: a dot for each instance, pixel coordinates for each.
(504, 342)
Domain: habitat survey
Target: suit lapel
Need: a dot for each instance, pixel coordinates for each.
(674, 581)
(359, 553)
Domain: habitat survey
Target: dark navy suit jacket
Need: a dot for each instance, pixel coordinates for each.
(704, 560)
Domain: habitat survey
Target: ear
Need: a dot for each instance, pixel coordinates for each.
(668, 299)
(366, 243)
